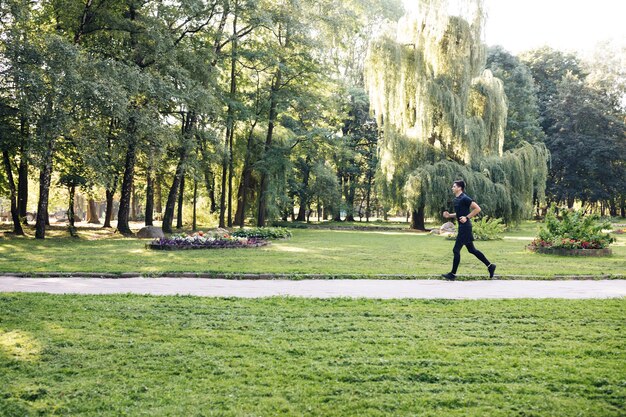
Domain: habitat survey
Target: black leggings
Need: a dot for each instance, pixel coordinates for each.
(472, 249)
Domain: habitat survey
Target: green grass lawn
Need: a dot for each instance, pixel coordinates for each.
(188, 356)
(309, 251)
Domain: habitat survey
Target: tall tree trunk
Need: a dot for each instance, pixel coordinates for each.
(335, 209)
(194, 223)
(209, 182)
(127, 182)
(244, 186)
(44, 191)
(231, 116)
(15, 215)
(417, 219)
(92, 212)
(350, 188)
(181, 198)
(22, 189)
(168, 215)
(22, 180)
(262, 212)
(304, 195)
(368, 196)
(149, 198)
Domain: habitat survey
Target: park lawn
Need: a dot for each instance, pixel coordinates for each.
(190, 356)
(332, 253)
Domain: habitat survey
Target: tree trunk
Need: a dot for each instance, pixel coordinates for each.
(168, 215)
(92, 212)
(350, 189)
(230, 131)
(22, 180)
(149, 198)
(244, 185)
(70, 209)
(181, 197)
(108, 215)
(134, 206)
(44, 192)
(22, 189)
(209, 182)
(15, 215)
(417, 219)
(194, 223)
(127, 183)
(262, 212)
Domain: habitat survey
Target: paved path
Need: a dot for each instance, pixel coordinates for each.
(366, 288)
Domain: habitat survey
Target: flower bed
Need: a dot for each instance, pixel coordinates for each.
(204, 241)
(573, 235)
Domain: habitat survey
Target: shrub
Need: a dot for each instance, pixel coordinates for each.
(574, 230)
(263, 233)
(485, 229)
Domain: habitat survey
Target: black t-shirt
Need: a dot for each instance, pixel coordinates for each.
(462, 208)
(462, 205)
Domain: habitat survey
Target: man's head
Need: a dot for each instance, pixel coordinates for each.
(458, 187)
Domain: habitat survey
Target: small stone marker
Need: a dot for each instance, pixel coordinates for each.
(150, 232)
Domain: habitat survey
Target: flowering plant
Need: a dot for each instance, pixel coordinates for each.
(201, 240)
(573, 231)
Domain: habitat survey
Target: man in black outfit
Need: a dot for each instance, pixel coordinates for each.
(464, 209)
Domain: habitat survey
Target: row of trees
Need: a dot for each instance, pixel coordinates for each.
(260, 104)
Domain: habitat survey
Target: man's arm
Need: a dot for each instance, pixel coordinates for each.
(475, 210)
(449, 215)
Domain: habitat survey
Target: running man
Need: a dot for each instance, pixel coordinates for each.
(464, 209)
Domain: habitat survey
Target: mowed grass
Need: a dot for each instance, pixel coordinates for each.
(326, 252)
(188, 356)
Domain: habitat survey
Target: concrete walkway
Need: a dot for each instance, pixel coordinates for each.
(365, 288)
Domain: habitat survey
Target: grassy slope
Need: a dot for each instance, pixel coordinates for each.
(309, 251)
(174, 356)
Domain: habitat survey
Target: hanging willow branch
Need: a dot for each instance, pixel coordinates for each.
(443, 116)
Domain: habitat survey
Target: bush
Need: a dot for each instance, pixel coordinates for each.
(488, 229)
(574, 230)
(485, 229)
(263, 233)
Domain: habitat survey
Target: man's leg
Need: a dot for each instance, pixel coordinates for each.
(490, 267)
(457, 256)
(450, 276)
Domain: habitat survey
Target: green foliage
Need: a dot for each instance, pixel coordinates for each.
(443, 117)
(574, 230)
(488, 228)
(263, 233)
(522, 122)
(485, 229)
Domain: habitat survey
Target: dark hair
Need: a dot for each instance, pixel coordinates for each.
(460, 183)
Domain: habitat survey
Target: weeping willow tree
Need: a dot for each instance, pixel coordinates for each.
(443, 116)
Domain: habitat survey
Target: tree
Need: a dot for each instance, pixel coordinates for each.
(548, 66)
(587, 146)
(523, 121)
(443, 117)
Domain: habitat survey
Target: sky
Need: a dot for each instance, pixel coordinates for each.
(566, 25)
